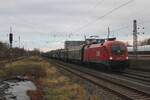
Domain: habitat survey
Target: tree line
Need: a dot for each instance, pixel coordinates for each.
(6, 52)
(144, 42)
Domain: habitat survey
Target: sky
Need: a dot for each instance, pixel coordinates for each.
(46, 24)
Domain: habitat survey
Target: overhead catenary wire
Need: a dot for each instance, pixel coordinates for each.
(99, 3)
(106, 14)
(127, 26)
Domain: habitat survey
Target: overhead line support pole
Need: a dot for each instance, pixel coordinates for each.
(135, 39)
(108, 33)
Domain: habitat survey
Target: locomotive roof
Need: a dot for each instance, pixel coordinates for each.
(105, 43)
(110, 42)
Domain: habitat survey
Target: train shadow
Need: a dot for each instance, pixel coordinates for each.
(96, 67)
(102, 68)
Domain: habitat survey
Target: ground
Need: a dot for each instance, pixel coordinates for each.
(51, 84)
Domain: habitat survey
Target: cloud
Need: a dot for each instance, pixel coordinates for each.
(7, 4)
(38, 21)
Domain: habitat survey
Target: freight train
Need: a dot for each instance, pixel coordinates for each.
(110, 53)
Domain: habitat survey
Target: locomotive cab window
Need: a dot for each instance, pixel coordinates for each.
(118, 49)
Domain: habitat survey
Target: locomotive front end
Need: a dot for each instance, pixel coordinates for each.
(118, 55)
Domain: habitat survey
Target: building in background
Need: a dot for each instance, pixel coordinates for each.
(69, 44)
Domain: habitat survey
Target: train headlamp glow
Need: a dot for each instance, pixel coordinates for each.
(127, 57)
(110, 58)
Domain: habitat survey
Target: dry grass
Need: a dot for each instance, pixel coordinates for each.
(59, 87)
(54, 84)
(33, 66)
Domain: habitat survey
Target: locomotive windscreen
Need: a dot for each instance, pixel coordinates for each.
(94, 41)
(118, 49)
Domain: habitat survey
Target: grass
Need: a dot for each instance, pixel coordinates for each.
(60, 87)
(32, 66)
(55, 85)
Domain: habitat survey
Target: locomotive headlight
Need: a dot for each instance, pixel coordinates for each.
(110, 58)
(127, 57)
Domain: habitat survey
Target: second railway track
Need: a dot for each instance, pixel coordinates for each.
(137, 75)
(127, 89)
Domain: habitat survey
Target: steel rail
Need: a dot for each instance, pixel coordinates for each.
(107, 82)
(137, 73)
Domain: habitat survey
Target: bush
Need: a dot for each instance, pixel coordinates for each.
(26, 67)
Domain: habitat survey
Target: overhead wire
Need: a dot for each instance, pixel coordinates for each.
(99, 3)
(139, 25)
(106, 14)
(93, 7)
(125, 27)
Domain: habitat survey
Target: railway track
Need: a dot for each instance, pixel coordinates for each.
(138, 72)
(140, 56)
(139, 75)
(128, 89)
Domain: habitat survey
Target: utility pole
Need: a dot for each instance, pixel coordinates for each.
(108, 33)
(84, 37)
(19, 41)
(135, 39)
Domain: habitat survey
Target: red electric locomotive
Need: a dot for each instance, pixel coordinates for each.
(111, 53)
(108, 52)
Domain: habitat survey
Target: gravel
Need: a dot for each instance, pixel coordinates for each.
(91, 89)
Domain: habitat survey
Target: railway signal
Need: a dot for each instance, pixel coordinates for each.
(11, 42)
(11, 37)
